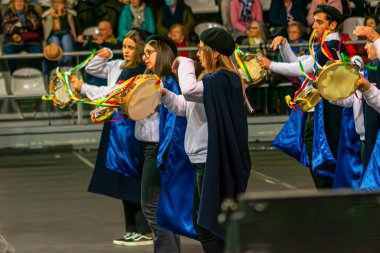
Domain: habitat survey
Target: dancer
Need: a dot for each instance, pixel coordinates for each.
(216, 138)
(118, 146)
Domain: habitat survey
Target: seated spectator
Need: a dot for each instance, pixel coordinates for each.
(91, 12)
(372, 21)
(103, 38)
(174, 12)
(178, 34)
(257, 35)
(344, 37)
(314, 3)
(21, 28)
(60, 27)
(242, 13)
(296, 32)
(136, 14)
(282, 12)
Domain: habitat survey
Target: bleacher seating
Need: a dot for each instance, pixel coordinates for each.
(349, 25)
(202, 6)
(27, 82)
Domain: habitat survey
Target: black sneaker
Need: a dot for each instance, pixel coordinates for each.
(138, 240)
(124, 239)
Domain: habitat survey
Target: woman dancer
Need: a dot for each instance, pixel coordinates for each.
(117, 137)
(216, 138)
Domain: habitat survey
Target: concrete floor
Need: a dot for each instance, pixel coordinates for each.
(45, 206)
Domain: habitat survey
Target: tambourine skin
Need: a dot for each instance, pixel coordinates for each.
(337, 81)
(142, 98)
(255, 71)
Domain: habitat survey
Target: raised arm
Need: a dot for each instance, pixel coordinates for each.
(191, 89)
(98, 66)
(175, 103)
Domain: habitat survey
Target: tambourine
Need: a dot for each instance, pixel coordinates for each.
(250, 70)
(142, 97)
(307, 99)
(60, 93)
(336, 80)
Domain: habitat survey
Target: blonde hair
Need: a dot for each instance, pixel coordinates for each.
(12, 6)
(139, 50)
(220, 62)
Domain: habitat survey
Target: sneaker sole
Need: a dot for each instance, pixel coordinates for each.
(145, 243)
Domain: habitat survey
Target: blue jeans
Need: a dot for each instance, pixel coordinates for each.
(15, 49)
(66, 42)
(164, 241)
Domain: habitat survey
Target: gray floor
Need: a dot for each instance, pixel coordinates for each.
(45, 206)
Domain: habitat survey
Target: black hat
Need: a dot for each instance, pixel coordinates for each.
(219, 40)
(164, 39)
(333, 12)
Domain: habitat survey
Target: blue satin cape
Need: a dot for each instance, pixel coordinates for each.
(123, 154)
(322, 155)
(175, 206)
(371, 177)
(349, 163)
(290, 139)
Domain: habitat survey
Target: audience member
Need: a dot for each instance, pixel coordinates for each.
(178, 35)
(242, 13)
(21, 28)
(174, 12)
(282, 12)
(60, 26)
(257, 35)
(372, 21)
(136, 14)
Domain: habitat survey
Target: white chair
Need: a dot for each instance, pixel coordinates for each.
(198, 29)
(202, 6)
(3, 86)
(350, 24)
(27, 82)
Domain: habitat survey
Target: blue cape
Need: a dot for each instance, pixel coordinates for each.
(175, 207)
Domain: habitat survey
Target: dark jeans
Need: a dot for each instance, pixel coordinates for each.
(210, 242)
(15, 49)
(164, 241)
(134, 218)
(320, 181)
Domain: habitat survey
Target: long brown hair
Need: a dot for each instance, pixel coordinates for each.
(220, 62)
(139, 50)
(164, 59)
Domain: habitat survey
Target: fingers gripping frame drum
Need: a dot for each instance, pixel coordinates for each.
(337, 80)
(59, 91)
(252, 73)
(143, 97)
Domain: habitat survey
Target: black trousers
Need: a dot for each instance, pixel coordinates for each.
(134, 218)
(210, 242)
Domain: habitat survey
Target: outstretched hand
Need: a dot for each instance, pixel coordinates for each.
(366, 31)
(279, 40)
(105, 53)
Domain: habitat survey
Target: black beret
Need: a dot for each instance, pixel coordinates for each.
(333, 12)
(219, 40)
(164, 39)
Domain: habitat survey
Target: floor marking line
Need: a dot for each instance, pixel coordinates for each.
(276, 180)
(84, 160)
